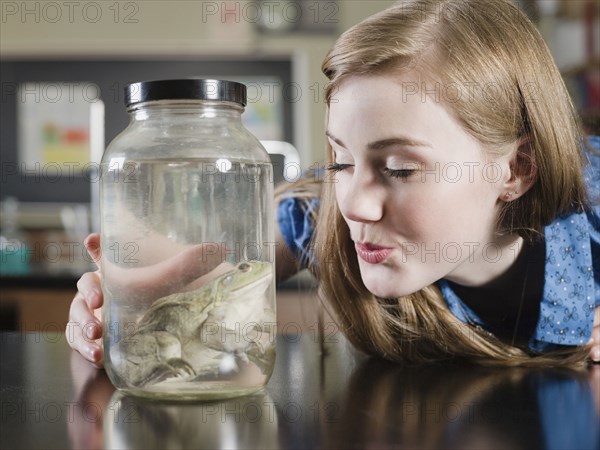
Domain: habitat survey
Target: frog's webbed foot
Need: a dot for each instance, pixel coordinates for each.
(181, 366)
(173, 368)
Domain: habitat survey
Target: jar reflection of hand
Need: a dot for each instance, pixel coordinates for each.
(93, 390)
(189, 269)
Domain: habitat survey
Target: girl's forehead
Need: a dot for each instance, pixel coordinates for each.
(371, 109)
(384, 102)
(381, 82)
(360, 87)
(391, 98)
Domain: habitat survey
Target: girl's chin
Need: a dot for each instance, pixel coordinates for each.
(386, 290)
(385, 281)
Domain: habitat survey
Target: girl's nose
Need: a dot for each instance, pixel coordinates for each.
(362, 199)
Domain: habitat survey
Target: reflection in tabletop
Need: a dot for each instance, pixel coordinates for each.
(458, 407)
(244, 422)
(320, 396)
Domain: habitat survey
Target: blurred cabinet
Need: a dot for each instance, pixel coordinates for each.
(39, 298)
(35, 309)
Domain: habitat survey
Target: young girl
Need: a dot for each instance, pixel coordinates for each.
(454, 221)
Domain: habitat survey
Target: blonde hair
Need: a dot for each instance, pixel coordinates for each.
(455, 43)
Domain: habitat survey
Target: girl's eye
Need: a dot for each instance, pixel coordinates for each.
(400, 173)
(394, 173)
(335, 167)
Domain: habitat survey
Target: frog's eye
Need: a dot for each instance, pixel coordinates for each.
(227, 280)
(245, 267)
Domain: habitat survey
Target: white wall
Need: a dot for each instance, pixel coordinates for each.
(209, 28)
(50, 29)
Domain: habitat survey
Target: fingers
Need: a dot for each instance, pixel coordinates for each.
(84, 330)
(92, 245)
(170, 275)
(193, 263)
(77, 336)
(89, 286)
(81, 315)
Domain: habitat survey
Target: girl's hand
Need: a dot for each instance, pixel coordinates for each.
(84, 330)
(189, 269)
(595, 341)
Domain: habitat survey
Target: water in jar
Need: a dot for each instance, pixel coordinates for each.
(177, 323)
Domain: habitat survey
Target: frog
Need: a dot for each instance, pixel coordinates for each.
(178, 336)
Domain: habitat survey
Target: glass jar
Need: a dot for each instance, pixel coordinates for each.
(187, 241)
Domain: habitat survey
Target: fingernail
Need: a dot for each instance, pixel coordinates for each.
(91, 331)
(89, 294)
(596, 354)
(92, 294)
(92, 353)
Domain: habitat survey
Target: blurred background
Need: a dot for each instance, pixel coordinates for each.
(63, 69)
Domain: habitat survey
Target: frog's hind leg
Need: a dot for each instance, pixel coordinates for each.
(172, 369)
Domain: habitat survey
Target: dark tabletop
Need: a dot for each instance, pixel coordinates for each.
(320, 396)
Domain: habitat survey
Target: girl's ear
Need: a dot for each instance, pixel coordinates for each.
(523, 171)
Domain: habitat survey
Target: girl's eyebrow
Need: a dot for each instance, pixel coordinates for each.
(334, 139)
(383, 143)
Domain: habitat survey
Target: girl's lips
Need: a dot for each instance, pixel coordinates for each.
(372, 254)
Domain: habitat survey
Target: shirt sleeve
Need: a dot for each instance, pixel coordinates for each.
(572, 277)
(295, 220)
(592, 181)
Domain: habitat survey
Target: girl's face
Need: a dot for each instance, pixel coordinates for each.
(410, 179)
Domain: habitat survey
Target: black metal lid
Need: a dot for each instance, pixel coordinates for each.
(185, 89)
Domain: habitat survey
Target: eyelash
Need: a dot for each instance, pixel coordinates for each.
(335, 167)
(401, 173)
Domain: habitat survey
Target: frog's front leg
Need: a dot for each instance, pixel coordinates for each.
(143, 354)
(173, 368)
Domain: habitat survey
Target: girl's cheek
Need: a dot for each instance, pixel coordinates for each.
(341, 188)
